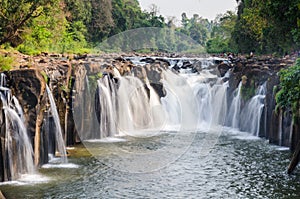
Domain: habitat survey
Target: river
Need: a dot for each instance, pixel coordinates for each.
(237, 165)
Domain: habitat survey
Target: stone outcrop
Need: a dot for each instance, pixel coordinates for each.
(28, 85)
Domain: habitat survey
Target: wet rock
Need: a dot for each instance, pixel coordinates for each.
(29, 88)
(148, 60)
(223, 68)
(197, 66)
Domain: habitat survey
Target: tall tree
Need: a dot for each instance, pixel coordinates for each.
(101, 21)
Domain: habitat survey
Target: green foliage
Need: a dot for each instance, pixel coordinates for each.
(54, 34)
(16, 14)
(267, 26)
(289, 94)
(6, 62)
(218, 45)
(196, 27)
(222, 29)
(247, 92)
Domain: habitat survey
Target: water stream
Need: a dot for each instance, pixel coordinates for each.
(60, 143)
(18, 153)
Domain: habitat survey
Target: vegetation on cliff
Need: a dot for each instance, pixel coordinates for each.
(288, 96)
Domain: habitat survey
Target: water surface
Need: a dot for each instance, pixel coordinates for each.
(238, 166)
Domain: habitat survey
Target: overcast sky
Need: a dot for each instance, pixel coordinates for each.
(205, 8)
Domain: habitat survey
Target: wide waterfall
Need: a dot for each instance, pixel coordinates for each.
(126, 105)
(60, 143)
(18, 151)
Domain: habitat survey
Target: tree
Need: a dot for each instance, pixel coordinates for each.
(15, 14)
(101, 22)
(267, 26)
(196, 27)
(220, 36)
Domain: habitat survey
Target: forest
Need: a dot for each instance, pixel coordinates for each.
(77, 26)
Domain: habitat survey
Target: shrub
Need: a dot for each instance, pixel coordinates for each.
(289, 94)
(6, 63)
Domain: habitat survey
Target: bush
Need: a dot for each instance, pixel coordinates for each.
(6, 63)
(289, 94)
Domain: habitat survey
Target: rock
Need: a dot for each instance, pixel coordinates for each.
(148, 60)
(29, 88)
(77, 57)
(197, 66)
(186, 64)
(223, 68)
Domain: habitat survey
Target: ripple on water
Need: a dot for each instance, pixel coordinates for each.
(233, 168)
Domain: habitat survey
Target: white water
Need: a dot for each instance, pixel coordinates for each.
(107, 96)
(192, 102)
(18, 154)
(235, 108)
(60, 144)
(253, 111)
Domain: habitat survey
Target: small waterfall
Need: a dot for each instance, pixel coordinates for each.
(60, 144)
(18, 153)
(248, 117)
(253, 111)
(280, 133)
(125, 107)
(235, 108)
(107, 110)
(212, 101)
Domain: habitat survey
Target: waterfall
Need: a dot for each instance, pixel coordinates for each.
(253, 111)
(247, 117)
(107, 112)
(180, 104)
(235, 108)
(126, 105)
(18, 152)
(60, 144)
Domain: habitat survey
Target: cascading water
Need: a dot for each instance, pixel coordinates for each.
(252, 112)
(247, 117)
(235, 108)
(131, 105)
(126, 109)
(180, 104)
(18, 153)
(60, 144)
(192, 101)
(107, 107)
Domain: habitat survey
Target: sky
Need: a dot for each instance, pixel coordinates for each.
(205, 8)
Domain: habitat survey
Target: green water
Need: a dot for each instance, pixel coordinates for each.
(238, 166)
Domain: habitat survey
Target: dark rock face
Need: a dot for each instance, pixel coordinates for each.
(28, 86)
